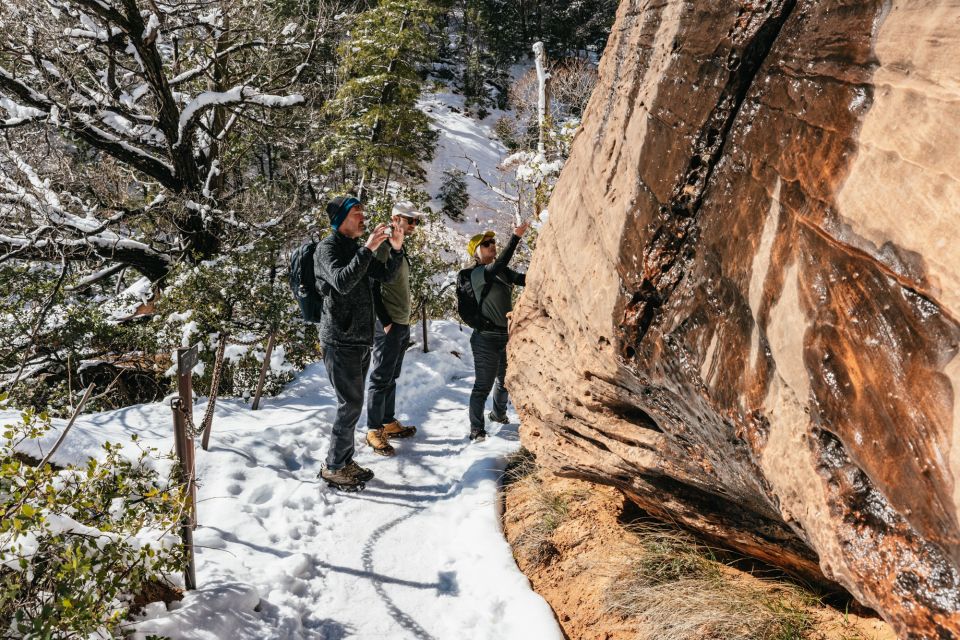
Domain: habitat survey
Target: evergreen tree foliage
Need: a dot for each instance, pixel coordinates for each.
(454, 194)
(566, 28)
(491, 35)
(378, 133)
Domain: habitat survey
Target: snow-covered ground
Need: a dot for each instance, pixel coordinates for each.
(418, 554)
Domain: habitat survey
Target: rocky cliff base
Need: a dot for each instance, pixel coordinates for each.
(612, 573)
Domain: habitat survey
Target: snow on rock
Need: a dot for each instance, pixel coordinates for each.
(418, 554)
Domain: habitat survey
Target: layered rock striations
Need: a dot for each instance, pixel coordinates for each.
(743, 309)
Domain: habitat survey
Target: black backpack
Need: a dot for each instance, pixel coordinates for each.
(468, 304)
(303, 282)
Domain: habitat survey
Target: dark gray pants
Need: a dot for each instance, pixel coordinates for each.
(347, 369)
(388, 351)
(490, 366)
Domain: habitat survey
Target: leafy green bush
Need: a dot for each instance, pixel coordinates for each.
(76, 544)
(52, 337)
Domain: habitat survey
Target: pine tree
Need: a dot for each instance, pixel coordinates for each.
(379, 134)
(454, 194)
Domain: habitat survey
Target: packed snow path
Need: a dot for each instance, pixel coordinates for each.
(418, 554)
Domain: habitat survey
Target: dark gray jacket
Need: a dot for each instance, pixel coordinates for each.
(349, 269)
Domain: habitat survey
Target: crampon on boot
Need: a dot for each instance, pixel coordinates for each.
(360, 473)
(342, 479)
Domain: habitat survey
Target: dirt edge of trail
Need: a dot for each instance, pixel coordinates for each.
(576, 543)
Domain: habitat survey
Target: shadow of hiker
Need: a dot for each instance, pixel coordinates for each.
(446, 584)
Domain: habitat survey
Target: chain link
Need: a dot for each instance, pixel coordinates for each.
(192, 431)
(180, 405)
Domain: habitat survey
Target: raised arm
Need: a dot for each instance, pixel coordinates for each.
(491, 270)
(384, 272)
(341, 275)
(515, 277)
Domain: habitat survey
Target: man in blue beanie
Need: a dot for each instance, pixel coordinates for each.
(347, 323)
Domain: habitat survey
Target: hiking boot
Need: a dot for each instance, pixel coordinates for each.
(501, 419)
(341, 479)
(360, 473)
(478, 436)
(396, 430)
(378, 442)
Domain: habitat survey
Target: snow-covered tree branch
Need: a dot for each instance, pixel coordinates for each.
(107, 104)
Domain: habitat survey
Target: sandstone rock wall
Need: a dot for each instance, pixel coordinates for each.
(743, 309)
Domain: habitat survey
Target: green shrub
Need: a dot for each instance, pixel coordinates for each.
(244, 295)
(76, 544)
(55, 335)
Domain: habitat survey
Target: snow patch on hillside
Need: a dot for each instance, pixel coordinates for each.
(470, 145)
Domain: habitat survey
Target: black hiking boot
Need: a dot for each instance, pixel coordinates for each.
(501, 419)
(360, 473)
(342, 479)
(478, 436)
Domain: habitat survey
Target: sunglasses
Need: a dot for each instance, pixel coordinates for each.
(488, 243)
(411, 221)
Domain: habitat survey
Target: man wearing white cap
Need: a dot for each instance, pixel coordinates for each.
(391, 338)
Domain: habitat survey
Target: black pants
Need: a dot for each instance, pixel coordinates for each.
(490, 365)
(347, 369)
(388, 351)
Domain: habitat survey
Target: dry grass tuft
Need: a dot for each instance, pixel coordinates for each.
(676, 589)
(543, 512)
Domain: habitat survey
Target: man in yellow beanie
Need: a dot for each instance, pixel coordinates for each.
(493, 283)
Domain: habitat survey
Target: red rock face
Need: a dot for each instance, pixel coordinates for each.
(743, 309)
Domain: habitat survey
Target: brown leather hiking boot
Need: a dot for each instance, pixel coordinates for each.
(396, 430)
(378, 442)
(360, 473)
(341, 479)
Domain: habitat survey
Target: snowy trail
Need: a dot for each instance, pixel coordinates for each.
(418, 554)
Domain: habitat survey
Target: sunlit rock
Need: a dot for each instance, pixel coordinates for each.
(743, 309)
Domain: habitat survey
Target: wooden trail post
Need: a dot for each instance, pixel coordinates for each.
(184, 433)
(263, 372)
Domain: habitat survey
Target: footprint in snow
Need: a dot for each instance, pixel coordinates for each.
(261, 494)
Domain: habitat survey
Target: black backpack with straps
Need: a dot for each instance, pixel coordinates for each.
(303, 282)
(469, 304)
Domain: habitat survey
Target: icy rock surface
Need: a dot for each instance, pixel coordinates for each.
(742, 310)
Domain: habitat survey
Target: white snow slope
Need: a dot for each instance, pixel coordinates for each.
(418, 554)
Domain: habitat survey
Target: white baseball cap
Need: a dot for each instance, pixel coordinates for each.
(406, 209)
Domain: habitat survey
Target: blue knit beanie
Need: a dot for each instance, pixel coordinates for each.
(339, 207)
